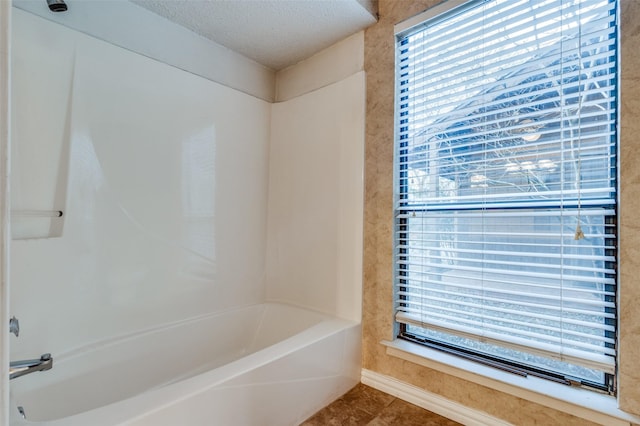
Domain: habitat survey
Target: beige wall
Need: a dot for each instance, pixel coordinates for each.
(377, 298)
(629, 377)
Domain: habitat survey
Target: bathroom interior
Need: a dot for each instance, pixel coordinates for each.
(200, 236)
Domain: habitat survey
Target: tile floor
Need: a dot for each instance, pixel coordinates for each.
(364, 405)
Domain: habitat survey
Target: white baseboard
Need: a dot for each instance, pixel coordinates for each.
(430, 401)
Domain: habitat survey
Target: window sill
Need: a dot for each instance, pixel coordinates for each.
(578, 402)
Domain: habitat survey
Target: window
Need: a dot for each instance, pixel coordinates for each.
(505, 186)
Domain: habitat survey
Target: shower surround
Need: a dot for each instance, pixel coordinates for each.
(182, 197)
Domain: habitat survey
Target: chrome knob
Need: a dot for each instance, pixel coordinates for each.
(14, 326)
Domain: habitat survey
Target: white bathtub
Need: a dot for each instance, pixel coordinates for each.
(268, 364)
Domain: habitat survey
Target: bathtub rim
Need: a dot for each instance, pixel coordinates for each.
(123, 337)
(136, 407)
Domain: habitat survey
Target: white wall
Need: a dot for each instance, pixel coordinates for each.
(314, 250)
(162, 176)
(5, 134)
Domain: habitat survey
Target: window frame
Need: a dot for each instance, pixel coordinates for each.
(443, 11)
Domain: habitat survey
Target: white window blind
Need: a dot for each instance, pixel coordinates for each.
(505, 154)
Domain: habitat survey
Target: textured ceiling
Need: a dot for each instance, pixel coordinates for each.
(275, 33)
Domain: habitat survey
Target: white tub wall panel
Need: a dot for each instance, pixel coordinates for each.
(278, 322)
(330, 65)
(351, 200)
(134, 28)
(315, 199)
(41, 99)
(166, 203)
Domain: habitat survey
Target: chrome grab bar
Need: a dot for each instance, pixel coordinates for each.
(28, 366)
(37, 213)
